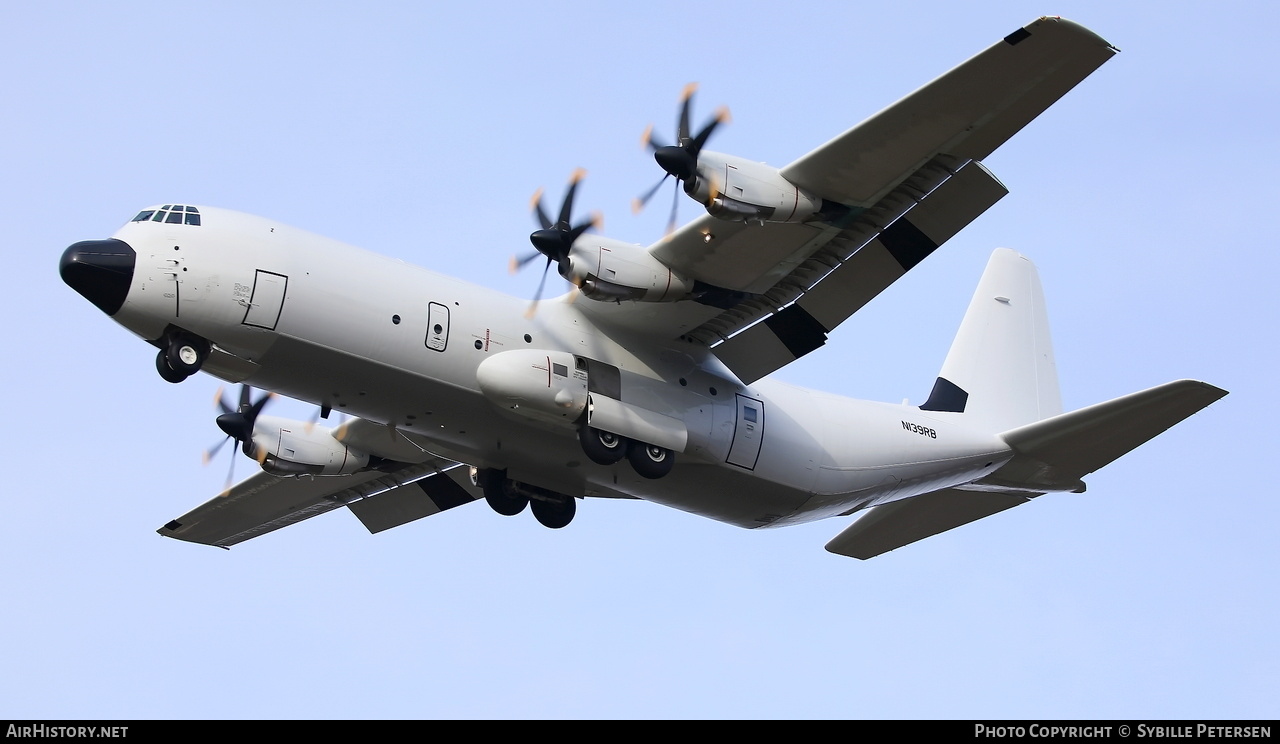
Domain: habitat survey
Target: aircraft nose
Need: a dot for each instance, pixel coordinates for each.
(101, 270)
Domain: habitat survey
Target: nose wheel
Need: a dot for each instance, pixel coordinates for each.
(167, 373)
(181, 356)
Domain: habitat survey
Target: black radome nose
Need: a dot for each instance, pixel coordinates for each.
(101, 270)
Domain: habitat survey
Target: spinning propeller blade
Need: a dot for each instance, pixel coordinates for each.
(681, 159)
(554, 239)
(237, 423)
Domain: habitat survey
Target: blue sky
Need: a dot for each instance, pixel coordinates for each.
(420, 130)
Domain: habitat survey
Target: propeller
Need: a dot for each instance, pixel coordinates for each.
(237, 424)
(554, 239)
(681, 159)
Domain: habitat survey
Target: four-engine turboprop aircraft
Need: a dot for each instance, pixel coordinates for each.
(652, 386)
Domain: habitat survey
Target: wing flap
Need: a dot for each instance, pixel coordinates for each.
(893, 525)
(838, 283)
(413, 501)
(740, 257)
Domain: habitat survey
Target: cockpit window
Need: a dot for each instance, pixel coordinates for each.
(171, 214)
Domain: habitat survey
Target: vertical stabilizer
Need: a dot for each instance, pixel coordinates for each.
(1000, 371)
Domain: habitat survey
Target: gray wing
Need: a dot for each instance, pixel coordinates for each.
(414, 485)
(910, 177)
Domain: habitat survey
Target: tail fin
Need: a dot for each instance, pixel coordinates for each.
(1000, 371)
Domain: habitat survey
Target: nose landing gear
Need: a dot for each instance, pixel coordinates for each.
(181, 355)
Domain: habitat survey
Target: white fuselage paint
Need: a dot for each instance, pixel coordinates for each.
(321, 330)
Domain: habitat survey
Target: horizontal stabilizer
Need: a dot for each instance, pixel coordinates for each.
(1050, 455)
(890, 526)
(1054, 454)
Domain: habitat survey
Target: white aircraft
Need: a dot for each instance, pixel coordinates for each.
(456, 393)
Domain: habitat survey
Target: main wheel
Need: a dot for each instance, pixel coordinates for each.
(168, 373)
(650, 460)
(498, 496)
(186, 354)
(602, 447)
(554, 514)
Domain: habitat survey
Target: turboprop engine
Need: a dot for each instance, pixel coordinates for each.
(611, 270)
(601, 268)
(739, 190)
(731, 188)
(287, 447)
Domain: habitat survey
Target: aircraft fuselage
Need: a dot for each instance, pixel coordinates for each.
(386, 341)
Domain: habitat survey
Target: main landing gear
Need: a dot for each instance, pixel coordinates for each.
(181, 355)
(607, 448)
(509, 498)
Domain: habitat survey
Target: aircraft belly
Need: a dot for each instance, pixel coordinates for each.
(377, 391)
(724, 494)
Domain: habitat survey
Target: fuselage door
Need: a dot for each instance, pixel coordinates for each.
(748, 433)
(267, 301)
(437, 326)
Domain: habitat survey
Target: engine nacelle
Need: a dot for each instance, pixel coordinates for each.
(550, 386)
(287, 447)
(738, 190)
(611, 270)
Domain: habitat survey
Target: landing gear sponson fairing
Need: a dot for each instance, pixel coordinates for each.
(652, 385)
